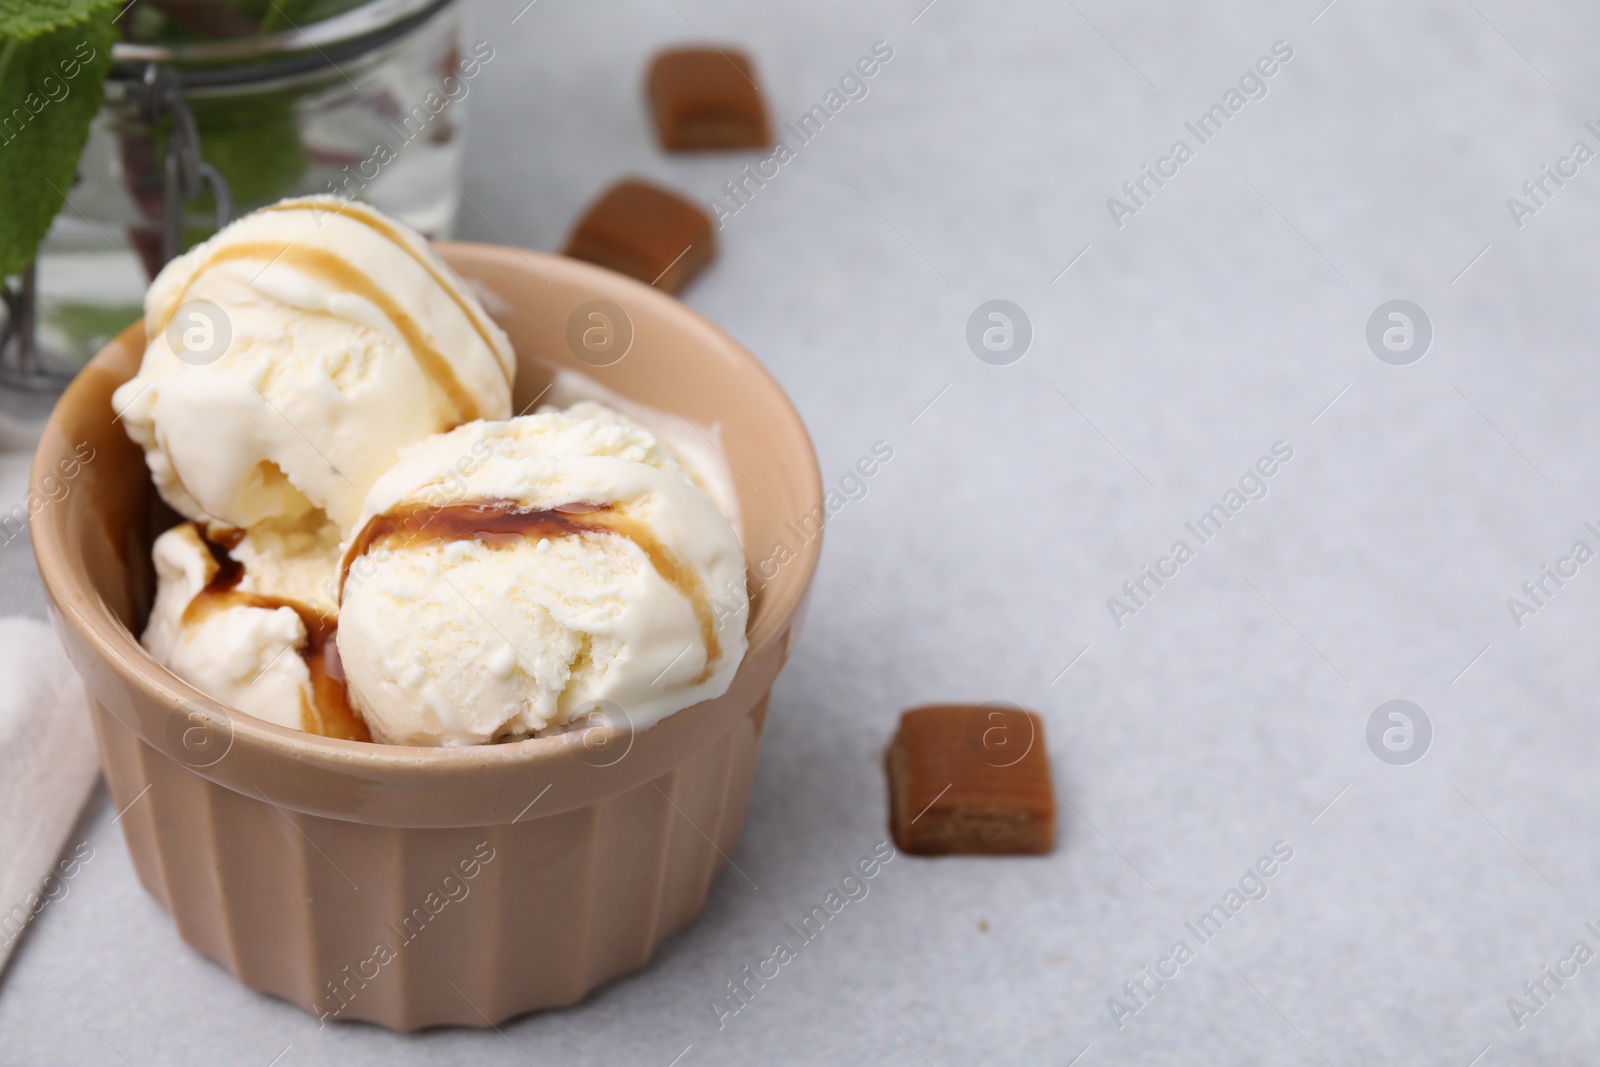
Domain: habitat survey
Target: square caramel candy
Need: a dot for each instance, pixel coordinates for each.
(970, 778)
(645, 232)
(706, 98)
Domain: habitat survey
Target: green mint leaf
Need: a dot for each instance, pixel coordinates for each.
(50, 90)
(23, 20)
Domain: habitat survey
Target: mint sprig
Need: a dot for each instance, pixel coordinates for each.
(54, 55)
(23, 20)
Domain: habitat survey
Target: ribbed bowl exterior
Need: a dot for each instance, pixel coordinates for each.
(298, 905)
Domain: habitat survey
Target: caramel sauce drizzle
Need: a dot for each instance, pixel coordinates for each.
(501, 523)
(383, 229)
(329, 711)
(336, 272)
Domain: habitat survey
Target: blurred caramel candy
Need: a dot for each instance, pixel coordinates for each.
(707, 98)
(970, 778)
(645, 232)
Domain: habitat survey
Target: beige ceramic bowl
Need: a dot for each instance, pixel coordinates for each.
(414, 886)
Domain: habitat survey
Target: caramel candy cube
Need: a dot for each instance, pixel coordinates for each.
(706, 98)
(645, 232)
(970, 778)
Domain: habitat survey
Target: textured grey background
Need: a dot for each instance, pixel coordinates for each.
(1227, 714)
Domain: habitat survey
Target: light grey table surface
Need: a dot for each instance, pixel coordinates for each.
(1228, 313)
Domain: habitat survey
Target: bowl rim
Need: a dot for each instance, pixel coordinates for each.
(77, 604)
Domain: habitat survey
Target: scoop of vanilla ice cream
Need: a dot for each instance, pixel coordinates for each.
(532, 571)
(243, 655)
(293, 354)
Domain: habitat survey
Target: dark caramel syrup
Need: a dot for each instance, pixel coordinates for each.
(329, 711)
(505, 522)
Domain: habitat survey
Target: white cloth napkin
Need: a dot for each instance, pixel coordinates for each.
(47, 767)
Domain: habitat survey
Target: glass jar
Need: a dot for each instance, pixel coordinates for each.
(368, 102)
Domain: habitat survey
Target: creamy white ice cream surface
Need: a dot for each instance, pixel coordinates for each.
(508, 578)
(375, 550)
(243, 627)
(697, 449)
(290, 357)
